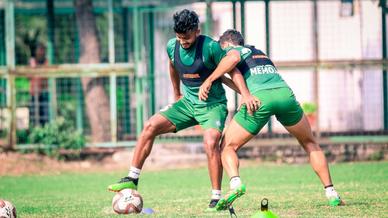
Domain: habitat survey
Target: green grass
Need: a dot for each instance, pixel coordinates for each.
(292, 190)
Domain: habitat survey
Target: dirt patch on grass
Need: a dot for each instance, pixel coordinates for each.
(13, 163)
(161, 157)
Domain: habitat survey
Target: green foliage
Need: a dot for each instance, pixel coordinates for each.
(22, 86)
(376, 156)
(270, 157)
(102, 23)
(66, 39)
(292, 190)
(122, 99)
(22, 136)
(31, 30)
(2, 92)
(309, 107)
(59, 134)
(3, 132)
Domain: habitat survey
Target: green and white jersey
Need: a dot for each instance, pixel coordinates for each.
(194, 66)
(258, 70)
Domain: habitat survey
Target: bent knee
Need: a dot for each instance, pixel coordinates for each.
(211, 144)
(149, 128)
(232, 145)
(310, 145)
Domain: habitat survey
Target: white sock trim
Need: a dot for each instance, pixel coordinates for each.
(134, 172)
(330, 192)
(216, 194)
(234, 182)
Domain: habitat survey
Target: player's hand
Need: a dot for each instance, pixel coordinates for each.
(252, 103)
(204, 90)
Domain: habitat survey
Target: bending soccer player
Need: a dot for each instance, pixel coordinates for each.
(277, 99)
(193, 57)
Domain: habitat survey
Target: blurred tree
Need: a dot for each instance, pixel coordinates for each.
(30, 31)
(97, 102)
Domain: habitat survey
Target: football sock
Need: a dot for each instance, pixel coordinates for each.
(328, 186)
(234, 182)
(134, 172)
(330, 191)
(216, 194)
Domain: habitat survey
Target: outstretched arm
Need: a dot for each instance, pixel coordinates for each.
(226, 65)
(252, 103)
(174, 76)
(237, 83)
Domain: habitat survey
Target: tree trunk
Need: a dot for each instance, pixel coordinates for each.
(97, 102)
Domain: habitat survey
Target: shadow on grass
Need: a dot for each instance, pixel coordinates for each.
(356, 203)
(347, 204)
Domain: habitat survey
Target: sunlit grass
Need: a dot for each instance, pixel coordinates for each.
(292, 190)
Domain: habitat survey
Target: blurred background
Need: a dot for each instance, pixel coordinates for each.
(88, 73)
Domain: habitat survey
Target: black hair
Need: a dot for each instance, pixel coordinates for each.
(233, 36)
(185, 21)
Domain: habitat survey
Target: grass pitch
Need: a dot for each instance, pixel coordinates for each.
(292, 190)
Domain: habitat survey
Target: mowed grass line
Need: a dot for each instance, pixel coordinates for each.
(292, 190)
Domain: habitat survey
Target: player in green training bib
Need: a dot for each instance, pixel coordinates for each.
(193, 57)
(276, 98)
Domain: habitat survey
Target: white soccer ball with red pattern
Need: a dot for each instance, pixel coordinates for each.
(7, 210)
(127, 201)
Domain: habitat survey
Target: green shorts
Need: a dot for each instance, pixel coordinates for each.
(280, 102)
(183, 115)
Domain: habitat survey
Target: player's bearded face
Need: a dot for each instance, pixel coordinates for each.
(187, 39)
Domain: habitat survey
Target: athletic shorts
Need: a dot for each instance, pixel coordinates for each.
(183, 115)
(280, 102)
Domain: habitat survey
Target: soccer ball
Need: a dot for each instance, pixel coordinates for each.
(127, 201)
(7, 210)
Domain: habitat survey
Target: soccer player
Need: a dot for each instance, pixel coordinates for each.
(276, 98)
(193, 57)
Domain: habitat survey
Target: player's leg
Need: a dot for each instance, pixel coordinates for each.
(174, 118)
(211, 139)
(212, 120)
(155, 126)
(242, 128)
(302, 132)
(290, 114)
(234, 138)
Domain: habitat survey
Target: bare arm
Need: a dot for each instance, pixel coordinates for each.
(226, 65)
(174, 76)
(230, 84)
(252, 103)
(239, 82)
